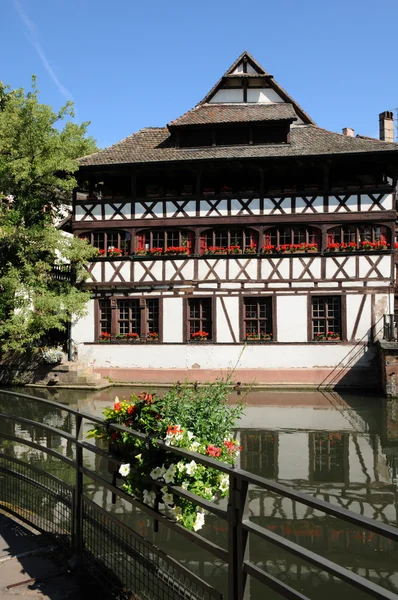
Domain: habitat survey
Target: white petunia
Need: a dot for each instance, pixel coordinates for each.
(170, 474)
(181, 467)
(124, 470)
(194, 446)
(190, 435)
(166, 496)
(184, 485)
(149, 497)
(157, 472)
(199, 521)
(191, 467)
(176, 513)
(224, 483)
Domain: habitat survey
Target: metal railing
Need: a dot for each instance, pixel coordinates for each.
(63, 273)
(390, 327)
(129, 565)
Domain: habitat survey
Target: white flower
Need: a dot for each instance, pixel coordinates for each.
(124, 470)
(184, 485)
(191, 467)
(149, 497)
(190, 435)
(166, 496)
(176, 513)
(170, 473)
(181, 467)
(157, 472)
(224, 483)
(194, 446)
(199, 521)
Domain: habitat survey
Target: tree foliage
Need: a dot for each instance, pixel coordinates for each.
(39, 149)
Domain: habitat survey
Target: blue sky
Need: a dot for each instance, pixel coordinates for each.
(129, 64)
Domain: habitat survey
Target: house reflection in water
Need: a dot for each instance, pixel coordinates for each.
(340, 451)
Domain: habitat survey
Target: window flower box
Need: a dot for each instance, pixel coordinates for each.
(155, 251)
(259, 337)
(252, 249)
(216, 250)
(104, 338)
(174, 250)
(115, 252)
(373, 246)
(327, 337)
(127, 337)
(170, 193)
(199, 336)
(141, 252)
(226, 189)
(152, 337)
(268, 249)
(208, 192)
(234, 249)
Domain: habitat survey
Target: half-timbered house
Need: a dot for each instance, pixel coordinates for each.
(242, 234)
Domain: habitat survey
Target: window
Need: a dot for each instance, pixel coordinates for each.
(346, 234)
(107, 241)
(260, 452)
(223, 238)
(130, 316)
(257, 318)
(326, 317)
(161, 240)
(277, 236)
(104, 316)
(327, 451)
(199, 318)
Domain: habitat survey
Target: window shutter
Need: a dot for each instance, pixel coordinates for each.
(383, 235)
(331, 237)
(203, 244)
(190, 241)
(141, 241)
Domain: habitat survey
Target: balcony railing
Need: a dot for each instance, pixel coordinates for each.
(390, 327)
(63, 273)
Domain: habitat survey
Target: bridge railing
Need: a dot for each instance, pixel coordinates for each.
(128, 564)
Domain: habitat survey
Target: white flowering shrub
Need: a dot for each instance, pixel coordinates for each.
(198, 420)
(52, 356)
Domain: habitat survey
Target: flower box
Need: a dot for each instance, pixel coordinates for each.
(208, 192)
(251, 250)
(199, 336)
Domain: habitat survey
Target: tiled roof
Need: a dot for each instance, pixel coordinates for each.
(152, 145)
(235, 113)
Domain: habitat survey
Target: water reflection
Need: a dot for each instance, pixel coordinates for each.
(336, 447)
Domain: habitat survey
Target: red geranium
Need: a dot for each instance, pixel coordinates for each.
(213, 451)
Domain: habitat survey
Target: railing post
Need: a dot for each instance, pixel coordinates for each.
(237, 537)
(78, 517)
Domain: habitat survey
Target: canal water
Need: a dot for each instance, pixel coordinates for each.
(337, 447)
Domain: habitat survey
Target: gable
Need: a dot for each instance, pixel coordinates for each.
(246, 82)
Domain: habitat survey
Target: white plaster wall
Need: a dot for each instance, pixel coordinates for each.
(384, 304)
(353, 305)
(312, 418)
(172, 324)
(291, 314)
(217, 356)
(383, 266)
(83, 329)
(232, 309)
(293, 455)
(266, 95)
(227, 95)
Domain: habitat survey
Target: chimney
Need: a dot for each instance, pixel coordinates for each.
(348, 132)
(386, 126)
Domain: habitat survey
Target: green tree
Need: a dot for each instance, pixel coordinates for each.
(39, 149)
